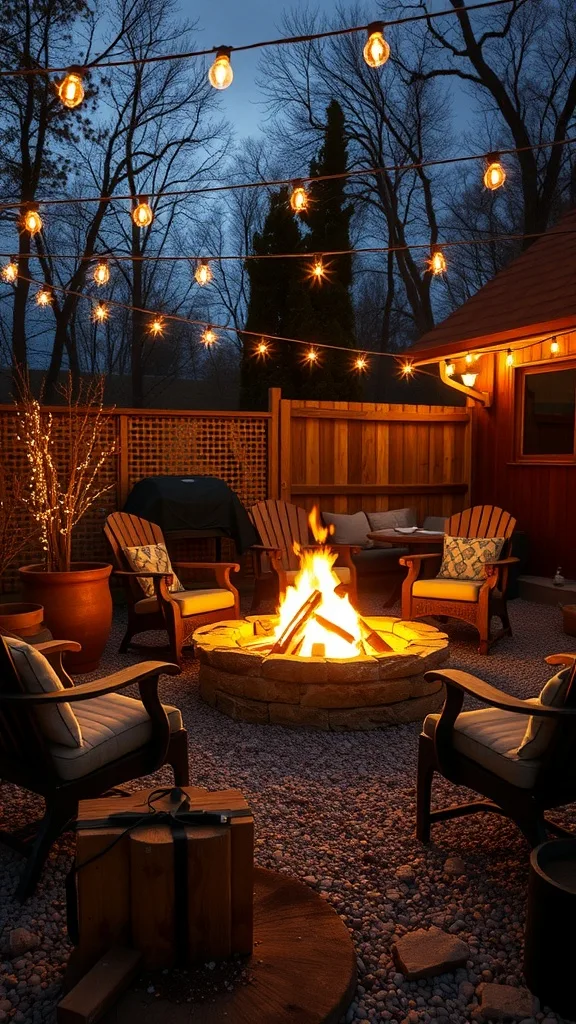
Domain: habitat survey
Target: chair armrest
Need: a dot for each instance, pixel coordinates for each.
(265, 548)
(147, 670)
(488, 694)
(206, 565)
(417, 559)
(560, 659)
(148, 574)
(504, 561)
(56, 646)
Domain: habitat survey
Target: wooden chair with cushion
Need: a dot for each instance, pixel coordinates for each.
(279, 524)
(167, 605)
(71, 742)
(518, 754)
(475, 600)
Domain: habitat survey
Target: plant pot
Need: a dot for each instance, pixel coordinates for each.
(77, 606)
(26, 621)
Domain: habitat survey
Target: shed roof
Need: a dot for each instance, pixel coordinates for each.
(534, 296)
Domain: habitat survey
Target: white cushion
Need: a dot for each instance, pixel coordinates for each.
(447, 590)
(348, 529)
(192, 602)
(491, 738)
(58, 723)
(394, 517)
(112, 726)
(342, 572)
(152, 558)
(539, 731)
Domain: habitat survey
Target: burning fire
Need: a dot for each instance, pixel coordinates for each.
(323, 622)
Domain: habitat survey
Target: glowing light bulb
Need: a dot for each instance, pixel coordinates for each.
(494, 175)
(554, 347)
(311, 356)
(101, 272)
(407, 369)
(100, 313)
(437, 262)
(509, 358)
(361, 364)
(10, 271)
(157, 327)
(43, 297)
(203, 274)
(209, 337)
(220, 74)
(32, 220)
(71, 89)
(298, 197)
(317, 270)
(262, 348)
(469, 379)
(450, 369)
(142, 214)
(376, 50)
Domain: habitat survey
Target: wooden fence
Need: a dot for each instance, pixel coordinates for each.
(343, 456)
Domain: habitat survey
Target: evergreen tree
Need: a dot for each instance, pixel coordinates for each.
(328, 219)
(279, 305)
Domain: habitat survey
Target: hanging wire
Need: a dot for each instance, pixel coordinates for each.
(285, 40)
(356, 172)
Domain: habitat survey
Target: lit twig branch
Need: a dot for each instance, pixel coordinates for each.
(61, 490)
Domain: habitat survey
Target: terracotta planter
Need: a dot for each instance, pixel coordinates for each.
(77, 606)
(25, 620)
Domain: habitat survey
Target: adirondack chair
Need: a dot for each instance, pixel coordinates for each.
(279, 524)
(179, 613)
(473, 601)
(479, 750)
(122, 739)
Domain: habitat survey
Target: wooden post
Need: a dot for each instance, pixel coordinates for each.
(123, 472)
(285, 450)
(274, 397)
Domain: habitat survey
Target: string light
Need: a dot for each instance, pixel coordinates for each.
(142, 214)
(470, 358)
(209, 337)
(554, 347)
(509, 358)
(407, 369)
(311, 357)
(44, 296)
(317, 269)
(450, 369)
(157, 327)
(469, 379)
(10, 271)
(299, 197)
(203, 274)
(32, 220)
(262, 349)
(436, 264)
(376, 50)
(361, 364)
(494, 175)
(71, 89)
(220, 74)
(101, 272)
(100, 313)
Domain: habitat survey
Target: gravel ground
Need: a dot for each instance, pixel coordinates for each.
(336, 811)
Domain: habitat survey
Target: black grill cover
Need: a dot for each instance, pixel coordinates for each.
(192, 503)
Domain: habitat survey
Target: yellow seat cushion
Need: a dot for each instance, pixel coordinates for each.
(447, 590)
(192, 602)
(342, 572)
(112, 726)
(491, 738)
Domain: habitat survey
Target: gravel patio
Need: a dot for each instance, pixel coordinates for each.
(336, 811)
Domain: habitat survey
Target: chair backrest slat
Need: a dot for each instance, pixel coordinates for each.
(123, 530)
(481, 521)
(279, 524)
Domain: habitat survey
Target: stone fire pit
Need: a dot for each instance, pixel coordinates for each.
(364, 692)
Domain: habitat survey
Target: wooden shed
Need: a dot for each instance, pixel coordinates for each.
(511, 349)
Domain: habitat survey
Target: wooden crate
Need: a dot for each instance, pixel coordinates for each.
(126, 888)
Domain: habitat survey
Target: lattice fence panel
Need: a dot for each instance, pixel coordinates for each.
(232, 448)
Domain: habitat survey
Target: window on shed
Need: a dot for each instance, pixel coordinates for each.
(549, 413)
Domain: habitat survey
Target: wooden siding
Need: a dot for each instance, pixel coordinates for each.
(351, 456)
(542, 496)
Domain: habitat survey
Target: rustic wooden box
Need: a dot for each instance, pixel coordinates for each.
(127, 897)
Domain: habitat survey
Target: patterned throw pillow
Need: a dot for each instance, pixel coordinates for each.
(58, 723)
(152, 558)
(539, 731)
(464, 557)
